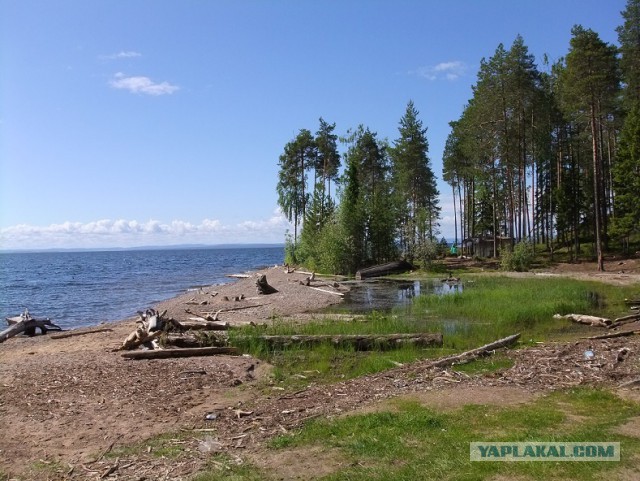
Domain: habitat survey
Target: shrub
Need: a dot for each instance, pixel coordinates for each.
(520, 259)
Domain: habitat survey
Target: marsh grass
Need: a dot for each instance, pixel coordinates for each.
(489, 307)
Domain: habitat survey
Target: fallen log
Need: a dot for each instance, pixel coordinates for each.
(395, 267)
(204, 326)
(360, 342)
(624, 320)
(173, 353)
(468, 356)
(326, 291)
(585, 319)
(614, 335)
(80, 333)
(27, 324)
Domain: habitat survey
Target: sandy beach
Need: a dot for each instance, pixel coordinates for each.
(70, 399)
(66, 403)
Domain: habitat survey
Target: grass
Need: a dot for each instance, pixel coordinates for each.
(489, 307)
(414, 442)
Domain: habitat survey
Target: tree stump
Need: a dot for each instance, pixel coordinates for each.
(263, 286)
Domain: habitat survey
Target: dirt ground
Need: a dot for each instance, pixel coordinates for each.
(65, 403)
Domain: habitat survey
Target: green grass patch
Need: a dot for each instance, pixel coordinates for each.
(296, 366)
(485, 365)
(415, 442)
(491, 307)
(223, 468)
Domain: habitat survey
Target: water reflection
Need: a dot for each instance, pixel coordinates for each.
(384, 295)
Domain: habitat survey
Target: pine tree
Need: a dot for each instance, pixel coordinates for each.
(298, 157)
(629, 38)
(626, 179)
(591, 83)
(414, 182)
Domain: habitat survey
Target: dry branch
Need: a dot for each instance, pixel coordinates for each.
(173, 353)
(613, 335)
(475, 353)
(326, 291)
(80, 333)
(624, 320)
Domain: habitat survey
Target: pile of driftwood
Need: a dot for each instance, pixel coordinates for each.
(27, 324)
(164, 337)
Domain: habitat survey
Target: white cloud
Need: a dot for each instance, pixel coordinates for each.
(122, 54)
(445, 70)
(143, 85)
(130, 233)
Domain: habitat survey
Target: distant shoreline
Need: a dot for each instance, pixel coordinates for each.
(142, 248)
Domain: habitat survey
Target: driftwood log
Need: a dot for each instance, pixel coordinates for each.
(204, 326)
(150, 326)
(624, 320)
(263, 286)
(81, 333)
(173, 353)
(585, 319)
(360, 342)
(468, 356)
(614, 334)
(395, 267)
(27, 324)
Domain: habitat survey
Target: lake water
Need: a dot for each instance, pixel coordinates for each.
(78, 289)
(383, 294)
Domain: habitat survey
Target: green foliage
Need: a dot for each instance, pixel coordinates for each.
(414, 183)
(520, 259)
(626, 179)
(290, 250)
(629, 38)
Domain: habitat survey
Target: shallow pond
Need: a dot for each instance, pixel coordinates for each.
(383, 295)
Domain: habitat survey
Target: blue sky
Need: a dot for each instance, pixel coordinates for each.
(161, 122)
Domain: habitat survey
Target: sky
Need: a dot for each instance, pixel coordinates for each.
(160, 122)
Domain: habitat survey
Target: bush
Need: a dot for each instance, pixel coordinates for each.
(520, 259)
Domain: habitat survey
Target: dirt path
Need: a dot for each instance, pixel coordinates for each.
(64, 402)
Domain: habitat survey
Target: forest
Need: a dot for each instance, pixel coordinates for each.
(539, 156)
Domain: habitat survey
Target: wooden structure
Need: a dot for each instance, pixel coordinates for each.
(483, 246)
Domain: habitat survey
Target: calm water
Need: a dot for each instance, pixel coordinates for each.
(383, 295)
(85, 288)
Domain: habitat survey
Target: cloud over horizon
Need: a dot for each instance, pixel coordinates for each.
(107, 233)
(142, 85)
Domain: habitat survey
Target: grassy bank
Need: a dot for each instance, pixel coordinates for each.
(410, 441)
